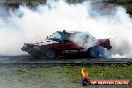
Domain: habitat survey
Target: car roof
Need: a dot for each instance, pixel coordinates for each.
(71, 32)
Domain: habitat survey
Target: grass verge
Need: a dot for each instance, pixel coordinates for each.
(61, 76)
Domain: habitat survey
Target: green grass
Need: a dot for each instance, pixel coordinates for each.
(60, 76)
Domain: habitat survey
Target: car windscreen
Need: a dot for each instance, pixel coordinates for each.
(55, 36)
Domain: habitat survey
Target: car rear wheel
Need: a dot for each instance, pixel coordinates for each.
(98, 52)
(51, 54)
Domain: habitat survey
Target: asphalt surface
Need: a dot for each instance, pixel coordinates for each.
(27, 59)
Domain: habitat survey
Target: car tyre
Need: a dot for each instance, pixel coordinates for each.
(51, 54)
(98, 52)
(33, 54)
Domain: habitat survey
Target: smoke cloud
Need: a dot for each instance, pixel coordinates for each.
(26, 25)
(85, 40)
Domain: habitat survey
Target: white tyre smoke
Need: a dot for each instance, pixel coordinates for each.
(34, 26)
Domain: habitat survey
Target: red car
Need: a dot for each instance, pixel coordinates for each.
(59, 44)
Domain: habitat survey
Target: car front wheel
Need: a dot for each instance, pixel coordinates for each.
(33, 54)
(51, 54)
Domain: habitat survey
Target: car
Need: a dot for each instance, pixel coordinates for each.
(59, 44)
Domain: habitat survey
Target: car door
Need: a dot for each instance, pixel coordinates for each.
(69, 45)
